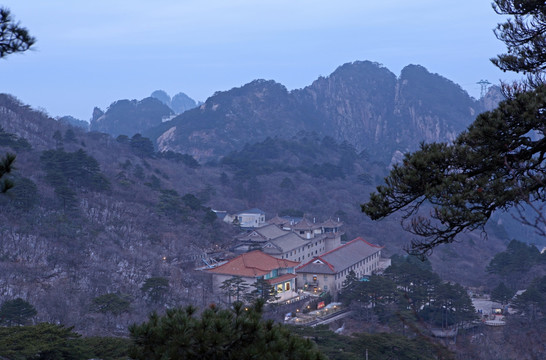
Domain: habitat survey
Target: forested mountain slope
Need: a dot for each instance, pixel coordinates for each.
(93, 216)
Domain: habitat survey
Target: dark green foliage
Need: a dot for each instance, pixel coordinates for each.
(13, 37)
(66, 170)
(6, 165)
(142, 146)
(70, 136)
(67, 197)
(237, 333)
(524, 34)
(409, 292)
(155, 288)
(192, 202)
(376, 346)
(123, 139)
(517, 258)
(494, 165)
(234, 287)
(262, 290)
(25, 195)
(271, 156)
(58, 137)
(497, 164)
(185, 159)
(154, 183)
(365, 179)
(170, 203)
(115, 304)
(41, 342)
(502, 294)
(13, 141)
(532, 302)
(16, 312)
(105, 348)
(451, 305)
(210, 217)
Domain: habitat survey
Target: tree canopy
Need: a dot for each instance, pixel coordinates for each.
(237, 333)
(498, 163)
(13, 37)
(43, 342)
(16, 312)
(524, 35)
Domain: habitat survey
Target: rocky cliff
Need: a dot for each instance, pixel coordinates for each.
(362, 103)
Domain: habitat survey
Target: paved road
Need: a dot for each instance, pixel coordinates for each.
(330, 318)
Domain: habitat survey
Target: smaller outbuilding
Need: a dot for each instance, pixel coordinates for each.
(251, 218)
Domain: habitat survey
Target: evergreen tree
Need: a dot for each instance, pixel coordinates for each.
(111, 305)
(142, 146)
(518, 257)
(498, 163)
(13, 37)
(502, 294)
(16, 312)
(6, 166)
(41, 342)
(25, 195)
(262, 290)
(155, 288)
(234, 287)
(237, 333)
(524, 34)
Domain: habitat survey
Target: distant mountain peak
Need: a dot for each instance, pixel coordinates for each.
(360, 102)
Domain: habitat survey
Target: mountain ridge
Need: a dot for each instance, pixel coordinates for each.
(361, 102)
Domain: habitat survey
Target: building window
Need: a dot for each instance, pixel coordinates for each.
(279, 288)
(287, 286)
(314, 278)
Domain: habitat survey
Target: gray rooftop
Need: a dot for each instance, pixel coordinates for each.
(289, 242)
(341, 257)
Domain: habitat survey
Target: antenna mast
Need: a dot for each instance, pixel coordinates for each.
(483, 84)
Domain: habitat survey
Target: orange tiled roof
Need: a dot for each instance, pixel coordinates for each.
(281, 279)
(252, 264)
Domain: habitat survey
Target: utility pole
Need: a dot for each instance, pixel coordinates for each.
(483, 84)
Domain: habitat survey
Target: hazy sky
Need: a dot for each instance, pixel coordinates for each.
(91, 53)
